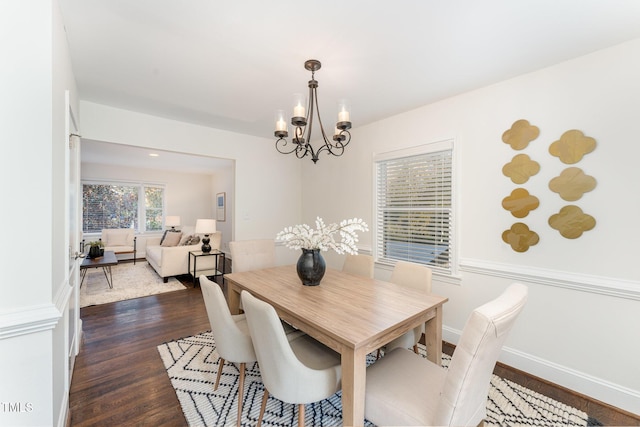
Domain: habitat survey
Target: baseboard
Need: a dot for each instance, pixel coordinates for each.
(587, 385)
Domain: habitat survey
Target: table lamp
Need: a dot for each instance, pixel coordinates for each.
(206, 227)
(172, 221)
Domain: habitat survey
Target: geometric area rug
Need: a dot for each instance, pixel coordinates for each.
(129, 281)
(192, 365)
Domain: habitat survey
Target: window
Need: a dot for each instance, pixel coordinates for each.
(413, 206)
(122, 205)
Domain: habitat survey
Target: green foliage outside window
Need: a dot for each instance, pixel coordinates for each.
(117, 206)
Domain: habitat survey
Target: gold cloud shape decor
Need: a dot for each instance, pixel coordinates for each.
(571, 222)
(520, 238)
(520, 169)
(572, 146)
(572, 184)
(520, 203)
(520, 134)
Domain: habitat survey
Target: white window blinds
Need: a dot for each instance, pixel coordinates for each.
(413, 209)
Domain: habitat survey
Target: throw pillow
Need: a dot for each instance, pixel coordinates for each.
(195, 239)
(171, 239)
(164, 235)
(185, 240)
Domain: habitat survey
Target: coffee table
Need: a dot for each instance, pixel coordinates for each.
(105, 261)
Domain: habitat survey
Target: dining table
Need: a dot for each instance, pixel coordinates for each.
(353, 315)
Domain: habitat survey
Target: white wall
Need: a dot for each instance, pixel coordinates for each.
(266, 196)
(581, 325)
(33, 320)
(223, 182)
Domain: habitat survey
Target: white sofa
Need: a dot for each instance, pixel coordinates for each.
(170, 261)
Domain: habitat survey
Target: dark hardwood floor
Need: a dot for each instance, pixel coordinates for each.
(120, 380)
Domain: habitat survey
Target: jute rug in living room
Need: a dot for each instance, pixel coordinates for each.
(129, 281)
(192, 365)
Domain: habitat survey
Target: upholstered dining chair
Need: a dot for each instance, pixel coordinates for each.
(298, 371)
(230, 332)
(247, 255)
(360, 265)
(415, 276)
(404, 388)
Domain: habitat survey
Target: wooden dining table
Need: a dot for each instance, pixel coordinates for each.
(352, 315)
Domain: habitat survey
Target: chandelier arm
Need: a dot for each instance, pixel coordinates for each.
(281, 143)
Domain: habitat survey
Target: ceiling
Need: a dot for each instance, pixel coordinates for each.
(231, 64)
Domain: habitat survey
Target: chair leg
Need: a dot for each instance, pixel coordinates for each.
(241, 392)
(415, 349)
(265, 397)
(301, 415)
(220, 366)
(378, 354)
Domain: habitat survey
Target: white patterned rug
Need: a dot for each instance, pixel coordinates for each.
(129, 281)
(192, 365)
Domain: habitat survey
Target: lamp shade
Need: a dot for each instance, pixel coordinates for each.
(205, 226)
(172, 221)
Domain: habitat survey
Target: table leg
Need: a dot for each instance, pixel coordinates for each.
(83, 272)
(354, 366)
(433, 337)
(233, 296)
(109, 277)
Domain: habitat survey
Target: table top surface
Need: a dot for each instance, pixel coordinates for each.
(109, 258)
(352, 310)
(200, 253)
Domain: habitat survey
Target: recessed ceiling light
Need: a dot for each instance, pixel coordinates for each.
(154, 155)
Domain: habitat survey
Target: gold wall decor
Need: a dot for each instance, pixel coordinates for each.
(520, 169)
(519, 237)
(572, 183)
(520, 134)
(572, 146)
(571, 222)
(520, 203)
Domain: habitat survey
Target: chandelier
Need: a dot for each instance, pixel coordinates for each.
(303, 124)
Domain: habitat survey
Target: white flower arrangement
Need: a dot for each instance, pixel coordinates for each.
(304, 237)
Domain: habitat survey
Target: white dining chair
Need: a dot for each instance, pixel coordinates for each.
(359, 264)
(298, 371)
(247, 255)
(415, 276)
(231, 334)
(404, 388)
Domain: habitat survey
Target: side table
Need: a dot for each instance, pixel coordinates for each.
(216, 271)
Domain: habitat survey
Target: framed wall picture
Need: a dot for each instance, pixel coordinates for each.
(221, 205)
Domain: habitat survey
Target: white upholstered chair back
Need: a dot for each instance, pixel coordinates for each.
(464, 395)
(230, 332)
(247, 255)
(413, 275)
(404, 388)
(360, 265)
(296, 371)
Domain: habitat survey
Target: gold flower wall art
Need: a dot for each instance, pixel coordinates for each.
(520, 134)
(572, 146)
(520, 238)
(520, 169)
(520, 203)
(571, 222)
(572, 183)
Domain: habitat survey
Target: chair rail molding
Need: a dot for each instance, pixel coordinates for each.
(621, 288)
(28, 320)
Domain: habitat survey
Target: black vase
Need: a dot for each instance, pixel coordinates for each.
(311, 267)
(95, 252)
